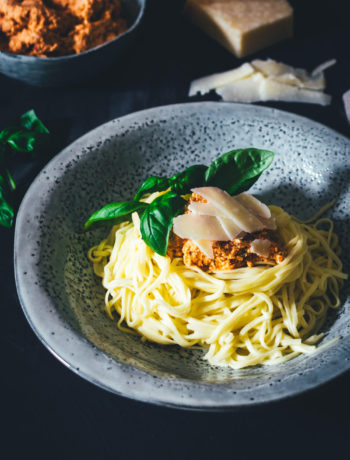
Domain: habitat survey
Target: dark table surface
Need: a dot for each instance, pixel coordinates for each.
(48, 411)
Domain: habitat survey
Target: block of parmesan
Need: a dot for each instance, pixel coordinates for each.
(242, 26)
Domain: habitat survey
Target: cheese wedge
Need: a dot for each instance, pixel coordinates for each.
(242, 26)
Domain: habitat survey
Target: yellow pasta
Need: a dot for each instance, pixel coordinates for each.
(244, 317)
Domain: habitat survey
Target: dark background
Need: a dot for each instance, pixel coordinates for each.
(49, 412)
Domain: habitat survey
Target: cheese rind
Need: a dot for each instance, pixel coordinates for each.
(242, 26)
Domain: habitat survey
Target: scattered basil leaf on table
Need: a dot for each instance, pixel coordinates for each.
(114, 213)
(24, 136)
(6, 210)
(157, 220)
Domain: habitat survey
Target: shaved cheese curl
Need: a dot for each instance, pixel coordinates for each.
(197, 227)
(254, 205)
(230, 208)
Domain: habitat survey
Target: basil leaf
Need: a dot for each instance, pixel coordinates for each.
(152, 184)
(157, 221)
(180, 183)
(114, 213)
(31, 122)
(25, 135)
(6, 210)
(237, 170)
(10, 180)
(191, 177)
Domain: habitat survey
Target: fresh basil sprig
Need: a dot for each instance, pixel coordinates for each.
(235, 171)
(23, 137)
(180, 183)
(157, 220)
(114, 213)
(152, 184)
(192, 177)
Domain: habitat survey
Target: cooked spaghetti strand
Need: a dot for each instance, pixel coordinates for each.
(243, 317)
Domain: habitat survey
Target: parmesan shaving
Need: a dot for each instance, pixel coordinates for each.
(197, 227)
(265, 80)
(346, 100)
(261, 247)
(271, 90)
(231, 229)
(206, 246)
(206, 209)
(247, 90)
(231, 208)
(206, 84)
(254, 205)
(221, 218)
(322, 67)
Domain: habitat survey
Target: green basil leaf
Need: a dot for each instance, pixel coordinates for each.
(31, 122)
(152, 184)
(157, 221)
(10, 180)
(25, 135)
(191, 177)
(114, 213)
(6, 210)
(236, 171)
(22, 141)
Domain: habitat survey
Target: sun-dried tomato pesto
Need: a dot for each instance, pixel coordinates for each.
(58, 27)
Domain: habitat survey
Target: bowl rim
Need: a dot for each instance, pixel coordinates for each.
(181, 393)
(134, 25)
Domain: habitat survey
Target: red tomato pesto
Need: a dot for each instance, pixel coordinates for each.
(58, 27)
(228, 255)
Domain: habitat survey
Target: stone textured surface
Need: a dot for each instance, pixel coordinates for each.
(62, 299)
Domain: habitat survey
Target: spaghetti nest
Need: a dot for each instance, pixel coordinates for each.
(244, 317)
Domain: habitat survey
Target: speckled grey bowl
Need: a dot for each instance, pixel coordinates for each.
(68, 70)
(63, 300)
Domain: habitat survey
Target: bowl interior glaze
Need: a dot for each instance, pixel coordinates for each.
(63, 300)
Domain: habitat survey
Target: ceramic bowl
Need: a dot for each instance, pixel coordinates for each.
(72, 69)
(63, 300)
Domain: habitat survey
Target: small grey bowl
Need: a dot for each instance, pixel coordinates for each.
(72, 69)
(63, 300)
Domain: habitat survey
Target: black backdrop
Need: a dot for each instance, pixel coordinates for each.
(49, 412)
